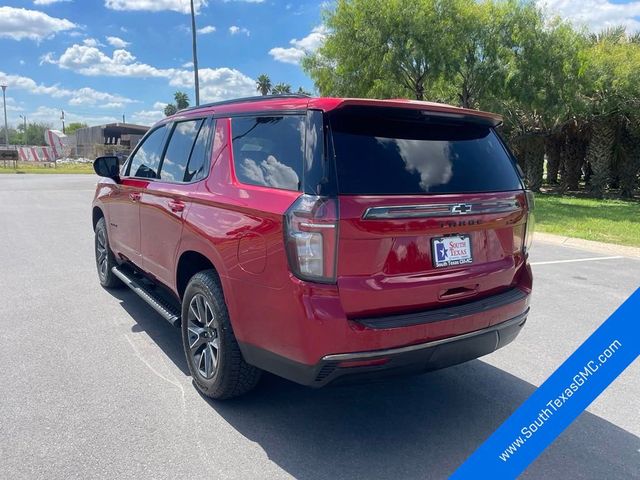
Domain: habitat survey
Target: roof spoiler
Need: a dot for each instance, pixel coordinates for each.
(417, 110)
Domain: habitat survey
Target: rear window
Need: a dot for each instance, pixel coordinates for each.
(268, 151)
(377, 155)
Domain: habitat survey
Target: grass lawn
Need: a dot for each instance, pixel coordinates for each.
(611, 221)
(62, 168)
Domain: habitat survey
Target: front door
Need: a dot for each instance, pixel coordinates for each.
(124, 205)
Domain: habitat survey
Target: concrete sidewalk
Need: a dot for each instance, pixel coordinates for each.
(588, 245)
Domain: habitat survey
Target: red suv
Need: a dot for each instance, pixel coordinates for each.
(320, 239)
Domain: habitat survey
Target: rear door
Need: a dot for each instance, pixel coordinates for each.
(165, 201)
(432, 211)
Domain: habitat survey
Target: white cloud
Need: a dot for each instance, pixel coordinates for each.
(48, 2)
(235, 30)
(92, 42)
(160, 105)
(148, 117)
(13, 106)
(300, 48)
(187, 65)
(92, 61)
(51, 116)
(206, 30)
(20, 23)
(180, 6)
(83, 96)
(287, 55)
(596, 14)
(215, 83)
(117, 42)
(89, 96)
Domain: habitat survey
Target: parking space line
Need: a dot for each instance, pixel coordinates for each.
(591, 259)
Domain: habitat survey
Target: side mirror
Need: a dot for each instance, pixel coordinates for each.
(108, 167)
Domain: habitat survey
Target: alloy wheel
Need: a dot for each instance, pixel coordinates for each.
(204, 341)
(101, 253)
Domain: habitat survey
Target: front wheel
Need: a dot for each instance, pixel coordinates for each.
(213, 355)
(105, 260)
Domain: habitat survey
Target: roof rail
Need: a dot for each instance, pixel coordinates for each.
(259, 98)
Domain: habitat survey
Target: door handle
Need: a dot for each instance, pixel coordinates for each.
(176, 207)
(135, 196)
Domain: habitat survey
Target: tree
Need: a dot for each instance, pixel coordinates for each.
(15, 135)
(74, 126)
(612, 88)
(181, 102)
(34, 134)
(382, 48)
(558, 89)
(281, 89)
(302, 91)
(263, 84)
(170, 109)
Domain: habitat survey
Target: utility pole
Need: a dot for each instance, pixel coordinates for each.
(195, 54)
(6, 125)
(24, 132)
(62, 118)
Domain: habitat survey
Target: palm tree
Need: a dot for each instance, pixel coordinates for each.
(615, 34)
(170, 109)
(263, 85)
(302, 91)
(281, 89)
(182, 100)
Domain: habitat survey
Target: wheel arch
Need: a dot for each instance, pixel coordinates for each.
(190, 263)
(196, 256)
(97, 214)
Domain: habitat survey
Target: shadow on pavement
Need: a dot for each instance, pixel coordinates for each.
(167, 337)
(405, 428)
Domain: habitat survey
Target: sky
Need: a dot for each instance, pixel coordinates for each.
(101, 59)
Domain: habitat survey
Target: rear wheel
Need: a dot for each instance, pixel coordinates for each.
(105, 260)
(212, 351)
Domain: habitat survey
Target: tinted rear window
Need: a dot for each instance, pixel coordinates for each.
(268, 151)
(377, 155)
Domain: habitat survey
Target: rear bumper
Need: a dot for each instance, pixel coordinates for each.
(416, 358)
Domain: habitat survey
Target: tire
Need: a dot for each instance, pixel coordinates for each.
(213, 355)
(104, 257)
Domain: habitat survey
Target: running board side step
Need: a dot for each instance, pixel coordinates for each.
(167, 311)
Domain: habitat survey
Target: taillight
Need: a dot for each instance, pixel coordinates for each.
(531, 221)
(311, 238)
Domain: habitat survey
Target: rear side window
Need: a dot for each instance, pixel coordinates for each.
(198, 161)
(179, 151)
(408, 155)
(146, 160)
(268, 151)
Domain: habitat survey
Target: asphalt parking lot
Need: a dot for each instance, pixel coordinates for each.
(94, 384)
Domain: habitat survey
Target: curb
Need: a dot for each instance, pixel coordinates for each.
(589, 245)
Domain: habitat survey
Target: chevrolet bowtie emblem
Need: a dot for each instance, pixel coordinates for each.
(461, 208)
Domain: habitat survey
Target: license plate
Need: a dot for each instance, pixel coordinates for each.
(453, 250)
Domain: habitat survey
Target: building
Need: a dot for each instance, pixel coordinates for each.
(92, 142)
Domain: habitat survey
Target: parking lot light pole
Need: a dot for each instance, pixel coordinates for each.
(24, 132)
(195, 53)
(6, 125)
